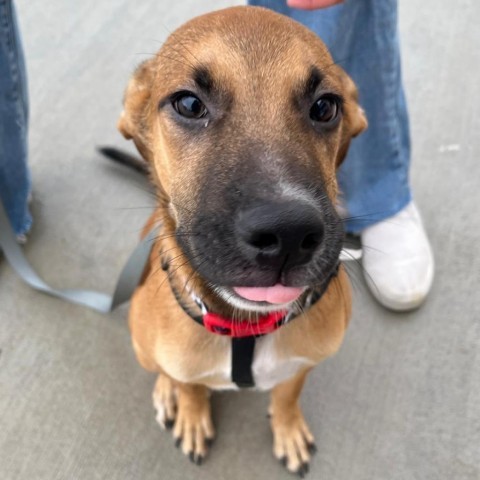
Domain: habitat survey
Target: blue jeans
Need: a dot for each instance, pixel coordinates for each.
(362, 37)
(14, 173)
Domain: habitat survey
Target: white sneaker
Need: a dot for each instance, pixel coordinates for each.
(398, 261)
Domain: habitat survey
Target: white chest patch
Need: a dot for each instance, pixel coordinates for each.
(269, 368)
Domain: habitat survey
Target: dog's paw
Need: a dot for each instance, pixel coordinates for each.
(193, 430)
(165, 402)
(186, 409)
(293, 443)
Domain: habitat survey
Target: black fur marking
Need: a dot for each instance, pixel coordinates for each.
(203, 79)
(313, 81)
(165, 264)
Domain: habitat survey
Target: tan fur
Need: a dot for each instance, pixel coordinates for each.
(165, 339)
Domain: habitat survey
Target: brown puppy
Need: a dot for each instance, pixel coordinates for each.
(244, 118)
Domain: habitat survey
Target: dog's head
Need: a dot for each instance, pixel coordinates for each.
(244, 118)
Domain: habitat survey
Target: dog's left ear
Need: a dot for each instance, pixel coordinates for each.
(355, 120)
(133, 122)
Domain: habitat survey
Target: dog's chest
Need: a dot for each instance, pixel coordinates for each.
(269, 368)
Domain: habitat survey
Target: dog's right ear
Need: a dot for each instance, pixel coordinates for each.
(355, 120)
(133, 122)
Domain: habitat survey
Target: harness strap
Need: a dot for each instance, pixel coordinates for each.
(243, 347)
(242, 358)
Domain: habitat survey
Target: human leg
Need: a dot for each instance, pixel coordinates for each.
(14, 174)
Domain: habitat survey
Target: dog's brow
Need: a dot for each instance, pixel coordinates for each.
(313, 80)
(203, 78)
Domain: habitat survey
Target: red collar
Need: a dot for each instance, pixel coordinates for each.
(268, 323)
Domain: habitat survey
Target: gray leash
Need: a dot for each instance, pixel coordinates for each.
(101, 302)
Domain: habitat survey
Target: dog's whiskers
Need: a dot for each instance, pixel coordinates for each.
(170, 272)
(192, 275)
(362, 268)
(174, 36)
(162, 55)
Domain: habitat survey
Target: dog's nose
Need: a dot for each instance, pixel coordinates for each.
(280, 234)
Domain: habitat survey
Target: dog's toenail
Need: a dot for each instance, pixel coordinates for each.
(178, 441)
(312, 448)
(169, 424)
(191, 456)
(301, 473)
(209, 442)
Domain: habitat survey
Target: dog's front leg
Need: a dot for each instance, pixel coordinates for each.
(187, 408)
(293, 443)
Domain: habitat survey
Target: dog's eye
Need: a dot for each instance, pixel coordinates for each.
(325, 109)
(188, 105)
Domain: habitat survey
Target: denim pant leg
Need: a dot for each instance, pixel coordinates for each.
(14, 174)
(362, 37)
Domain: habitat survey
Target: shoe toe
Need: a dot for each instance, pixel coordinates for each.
(398, 261)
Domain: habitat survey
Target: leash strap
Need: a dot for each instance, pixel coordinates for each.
(101, 302)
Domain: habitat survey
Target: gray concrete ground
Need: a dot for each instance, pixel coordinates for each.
(401, 400)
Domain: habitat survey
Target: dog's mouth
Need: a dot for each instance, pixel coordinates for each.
(261, 299)
(278, 294)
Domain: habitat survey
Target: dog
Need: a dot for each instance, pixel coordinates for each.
(243, 118)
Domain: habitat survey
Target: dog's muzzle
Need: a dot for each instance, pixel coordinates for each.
(265, 250)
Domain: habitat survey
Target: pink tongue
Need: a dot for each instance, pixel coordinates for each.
(276, 294)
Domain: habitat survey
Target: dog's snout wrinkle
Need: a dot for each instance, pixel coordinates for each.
(280, 235)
